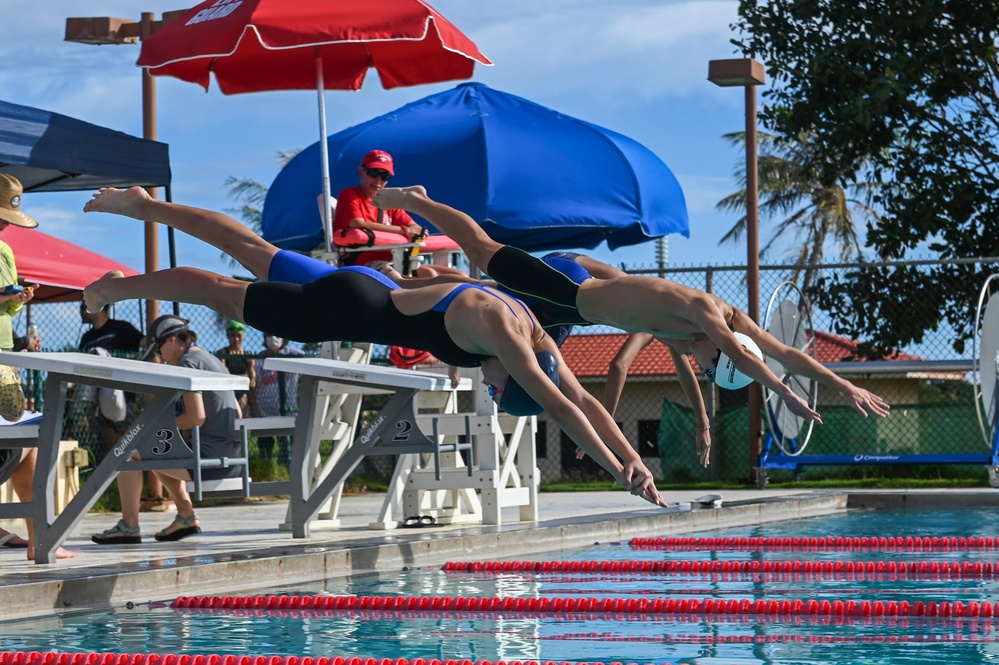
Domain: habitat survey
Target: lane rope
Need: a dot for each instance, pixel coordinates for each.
(876, 543)
(772, 608)
(976, 569)
(54, 658)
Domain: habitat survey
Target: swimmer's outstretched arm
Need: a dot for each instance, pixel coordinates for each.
(518, 358)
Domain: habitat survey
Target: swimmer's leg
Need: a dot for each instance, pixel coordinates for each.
(217, 229)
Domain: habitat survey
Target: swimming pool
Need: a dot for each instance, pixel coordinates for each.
(781, 639)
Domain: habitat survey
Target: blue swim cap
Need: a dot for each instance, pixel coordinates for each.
(516, 401)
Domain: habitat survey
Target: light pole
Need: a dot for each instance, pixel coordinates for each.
(748, 73)
(109, 30)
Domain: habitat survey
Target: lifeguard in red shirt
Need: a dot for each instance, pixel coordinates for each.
(355, 211)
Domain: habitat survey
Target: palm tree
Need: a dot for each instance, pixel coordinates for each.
(250, 194)
(810, 210)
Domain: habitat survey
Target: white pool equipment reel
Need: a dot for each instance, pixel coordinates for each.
(789, 319)
(986, 372)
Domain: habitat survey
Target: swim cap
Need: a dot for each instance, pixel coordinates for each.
(515, 399)
(726, 375)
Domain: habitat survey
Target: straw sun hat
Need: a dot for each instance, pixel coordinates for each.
(11, 193)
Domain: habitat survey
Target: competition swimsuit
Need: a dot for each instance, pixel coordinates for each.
(311, 301)
(548, 285)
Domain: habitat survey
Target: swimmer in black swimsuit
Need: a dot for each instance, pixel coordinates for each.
(474, 327)
(690, 321)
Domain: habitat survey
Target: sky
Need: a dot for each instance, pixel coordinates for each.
(638, 67)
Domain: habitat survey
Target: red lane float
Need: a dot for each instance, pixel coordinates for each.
(51, 658)
(875, 543)
(902, 568)
(786, 607)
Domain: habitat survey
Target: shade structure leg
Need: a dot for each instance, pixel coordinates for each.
(324, 154)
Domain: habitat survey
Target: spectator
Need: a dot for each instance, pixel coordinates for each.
(12, 295)
(276, 395)
(114, 335)
(213, 412)
(18, 466)
(354, 210)
(108, 333)
(238, 361)
(33, 384)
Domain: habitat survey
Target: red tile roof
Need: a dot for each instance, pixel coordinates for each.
(589, 355)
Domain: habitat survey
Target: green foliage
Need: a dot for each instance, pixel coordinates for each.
(791, 192)
(903, 93)
(946, 392)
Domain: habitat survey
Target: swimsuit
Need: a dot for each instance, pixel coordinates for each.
(348, 304)
(549, 285)
(445, 302)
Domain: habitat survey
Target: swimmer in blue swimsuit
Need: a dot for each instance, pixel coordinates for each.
(358, 304)
(690, 321)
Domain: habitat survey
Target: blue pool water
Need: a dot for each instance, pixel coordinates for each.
(746, 640)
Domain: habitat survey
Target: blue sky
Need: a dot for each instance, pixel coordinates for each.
(638, 67)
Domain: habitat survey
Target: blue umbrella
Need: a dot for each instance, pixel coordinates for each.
(532, 177)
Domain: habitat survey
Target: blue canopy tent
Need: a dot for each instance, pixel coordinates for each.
(533, 177)
(49, 152)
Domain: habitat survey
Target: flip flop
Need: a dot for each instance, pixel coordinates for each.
(7, 541)
(418, 521)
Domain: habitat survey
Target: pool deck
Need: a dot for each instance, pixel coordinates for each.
(243, 549)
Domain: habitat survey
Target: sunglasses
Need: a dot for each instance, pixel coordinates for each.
(378, 173)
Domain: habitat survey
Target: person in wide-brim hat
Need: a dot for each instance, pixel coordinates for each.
(11, 194)
(11, 302)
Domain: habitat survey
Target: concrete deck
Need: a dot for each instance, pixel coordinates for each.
(242, 549)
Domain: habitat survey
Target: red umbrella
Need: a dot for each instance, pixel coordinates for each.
(61, 268)
(260, 45)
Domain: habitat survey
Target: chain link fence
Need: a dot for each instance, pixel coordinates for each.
(931, 412)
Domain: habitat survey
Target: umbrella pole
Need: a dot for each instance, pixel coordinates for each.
(324, 153)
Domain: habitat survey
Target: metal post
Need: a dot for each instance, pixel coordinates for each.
(748, 73)
(753, 267)
(149, 132)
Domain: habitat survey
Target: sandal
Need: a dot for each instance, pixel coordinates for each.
(418, 521)
(119, 534)
(7, 540)
(154, 504)
(187, 528)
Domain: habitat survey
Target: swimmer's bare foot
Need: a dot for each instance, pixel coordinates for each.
(60, 554)
(93, 294)
(130, 202)
(399, 198)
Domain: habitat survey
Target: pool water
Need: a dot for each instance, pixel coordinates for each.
(641, 638)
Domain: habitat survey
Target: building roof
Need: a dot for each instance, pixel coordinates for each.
(589, 355)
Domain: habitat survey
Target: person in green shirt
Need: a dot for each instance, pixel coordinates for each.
(11, 299)
(12, 295)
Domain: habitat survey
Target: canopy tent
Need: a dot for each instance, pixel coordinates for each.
(49, 152)
(60, 268)
(531, 176)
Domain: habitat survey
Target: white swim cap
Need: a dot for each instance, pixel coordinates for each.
(726, 375)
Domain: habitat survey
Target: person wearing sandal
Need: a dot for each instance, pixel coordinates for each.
(18, 466)
(213, 412)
